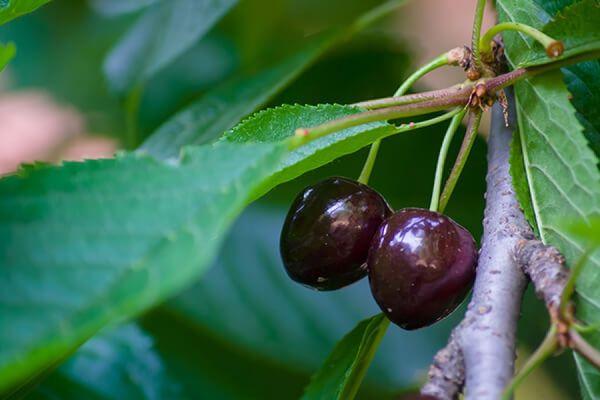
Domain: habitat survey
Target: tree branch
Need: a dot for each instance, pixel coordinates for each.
(545, 266)
(483, 345)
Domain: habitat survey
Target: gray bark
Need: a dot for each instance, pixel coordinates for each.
(481, 350)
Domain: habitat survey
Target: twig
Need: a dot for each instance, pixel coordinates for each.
(486, 336)
(447, 372)
(545, 266)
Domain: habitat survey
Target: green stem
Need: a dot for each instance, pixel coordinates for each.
(586, 328)
(132, 108)
(461, 159)
(554, 48)
(297, 141)
(436, 63)
(545, 350)
(439, 170)
(569, 289)
(365, 174)
(479, 10)
(580, 345)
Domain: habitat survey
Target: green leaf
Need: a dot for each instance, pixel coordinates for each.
(561, 169)
(589, 377)
(588, 230)
(122, 363)
(224, 106)
(575, 25)
(279, 123)
(164, 32)
(583, 81)
(221, 108)
(11, 9)
(7, 53)
(343, 371)
(562, 173)
(163, 357)
(207, 367)
(90, 243)
(519, 179)
(112, 8)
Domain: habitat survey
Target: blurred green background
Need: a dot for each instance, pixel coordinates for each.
(244, 330)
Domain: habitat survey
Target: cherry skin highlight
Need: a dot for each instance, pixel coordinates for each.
(328, 230)
(421, 266)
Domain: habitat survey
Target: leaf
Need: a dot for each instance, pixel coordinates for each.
(279, 123)
(589, 378)
(519, 179)
(563, 175)
(89, 243)
(209, 367)
(11, 9)
(7, 53)
(221, 108)
(164, 358)
(583, 82)
(120, 364)
(344, 369)
(561, 170)
(224, 106)
(588, 230)
(575, 25)
(164, 32)
(113, 8)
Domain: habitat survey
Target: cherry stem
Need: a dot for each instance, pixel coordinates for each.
(544, 351)
(434, 64)
(569, 289)
(438, 62)
(461, 158)
(580, 345)
(479, 10)
(553, 47)
(365, 174)
(439, 169)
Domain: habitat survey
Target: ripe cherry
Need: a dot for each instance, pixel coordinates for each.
(328, 230)
(421, 266)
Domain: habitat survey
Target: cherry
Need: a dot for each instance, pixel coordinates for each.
(328, 230)
(421, 266)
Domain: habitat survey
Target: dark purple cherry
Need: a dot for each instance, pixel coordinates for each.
(328, 230)
(421, 266)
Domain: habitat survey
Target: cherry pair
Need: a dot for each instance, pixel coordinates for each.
(421, 264)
